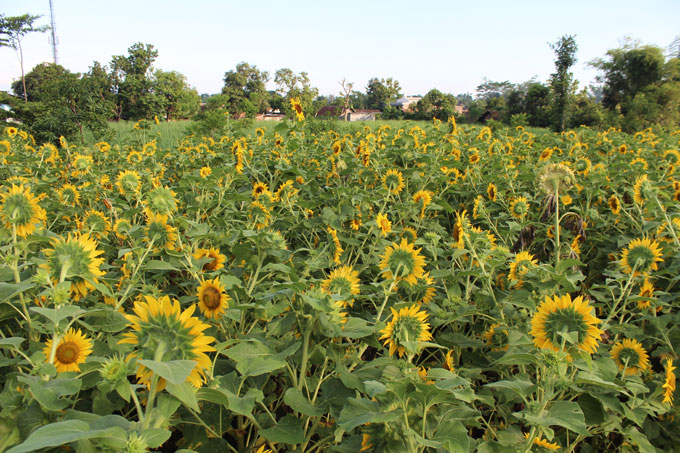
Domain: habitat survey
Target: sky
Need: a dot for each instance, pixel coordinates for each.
(449, 45)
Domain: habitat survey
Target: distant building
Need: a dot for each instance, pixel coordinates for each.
(406, 103)
(338, 111)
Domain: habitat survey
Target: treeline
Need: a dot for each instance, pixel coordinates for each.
(638, 87)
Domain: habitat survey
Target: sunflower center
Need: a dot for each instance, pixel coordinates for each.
(211, 298)
(210, 265)
(68, 353)
(565, 321)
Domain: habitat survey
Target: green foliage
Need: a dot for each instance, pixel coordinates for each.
(381, 92)
(244, 90)
(436, 104)
(561, 80)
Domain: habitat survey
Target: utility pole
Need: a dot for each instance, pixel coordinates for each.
(53, 37)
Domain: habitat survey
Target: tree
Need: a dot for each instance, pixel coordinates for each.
(131, 83)
(436, 104)
(31, 87)
(12, 31)
(291, 85)
(177, 98)
(488, 89)
(561, 80)
(346, 94)
(381, 92)
(537, 105)
(245, 89)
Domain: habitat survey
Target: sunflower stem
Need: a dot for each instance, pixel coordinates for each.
(614, 310)
(305, 356)
(557, 225)
(134, 273)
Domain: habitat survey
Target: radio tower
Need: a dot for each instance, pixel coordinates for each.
(53, 37)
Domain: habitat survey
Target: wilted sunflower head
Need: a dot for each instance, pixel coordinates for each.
(20, 210)
(162, 331)
(75, 258)
(555, 177)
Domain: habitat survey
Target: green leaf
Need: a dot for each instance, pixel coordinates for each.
(562, 413)
(640, 440)
(155, 437)
(517, 359)
(521, 387)
(254, 358)
(184, 392)
(298, 402)
(158, 265)
(9, 290)
(57, 314)
(356, 328)
(358, 411)
(60, 433)
(453, 437)
(14, 342)
(175, 371)
(288, 430)
(49, 393)
(592, 409)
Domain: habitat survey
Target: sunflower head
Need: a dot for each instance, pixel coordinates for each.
(519, 207)
(402, 262)
(460, 229)
(614, 204)
(71, 351)
(406, 330)
(20, 210)
(69, 195)
(158, 231)
(259, 214)
(296, 105)
(496, 337)
(259, 188)
(76, 259)
(128, 182)
(491, 191)
(342, 282)
(555, 177)
(641, 256)
(560, 320)
(641, 188)
(216, 261)
(160, 330)
(383, 223)
(161, 200)
(212, 300)
(95, 223)
(392, 181)
(520, 266)
(631, 356)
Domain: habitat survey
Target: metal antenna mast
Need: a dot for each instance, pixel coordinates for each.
(53, 37)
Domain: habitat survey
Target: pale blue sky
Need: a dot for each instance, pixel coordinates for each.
(448, 45)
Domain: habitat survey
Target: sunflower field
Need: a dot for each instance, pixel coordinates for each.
(430, 288)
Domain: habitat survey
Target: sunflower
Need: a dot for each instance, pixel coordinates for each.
(383, 223)
(393, 181)
(641, 255)
(82, 162)
(424, 196)
(478, 207)
(555, 177)
(546, 154)
(11, 131)
(162, 331)
(76, 259)
(296, 105)
(134, 157)
(409, 234)
(259, 188)
(212, 300)
(205, 172)
(216, 262)
(407, 328)
(402, 262)
(646, 291)
(449, 361)
(121, 228)
(669, 382)
(474, 157)
(337, 247)
(582, 166)
(539, 442)
(128, 182)
(20, 209)
(519, 208)
(520, 266)
(561, 315)
(343, 281)
(158, 231)
(161, 200)
(103, 147)
(95, 223)
(496, 338)
(491, 191)
(614, 204)
(71, 351)
(641, 184)
(259, 214)
(631, 356)
(459, 229)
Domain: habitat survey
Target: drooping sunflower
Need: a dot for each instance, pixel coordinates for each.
(424, 197)
(71, 351)
(393, 181)
(460, 229)
(344, 282)
(402, 262)
(161, 200)
(20, 209)
(641, 184)
(69, 195)
(160, 328)
(646, 291)
(478, 207)
(409, 233)
(76, 259)
(562, 315)
(520, 266)
(128, 182)
(519, 208)
(641, 254)
(158, 230)
(543, 443)
(95, 223)
(614, 204)
(216, 262)
(669, 382)
(407, 328)
(212, 300)
(383, 223)
(631, 356)
(491, 191)
(337, 247)
(496, 337)
(296, 105)
(259, 214)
